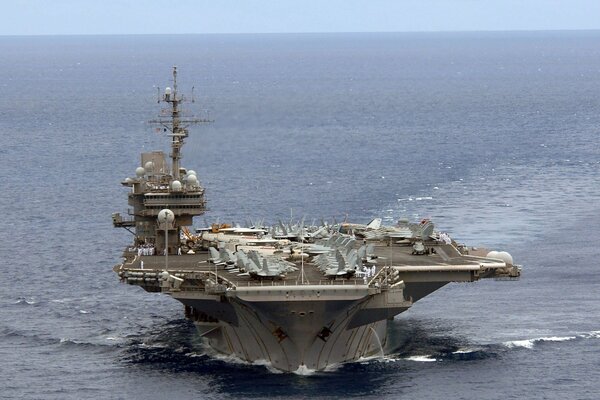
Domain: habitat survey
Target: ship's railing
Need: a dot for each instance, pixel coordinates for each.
(220, 288)
(283, 282)
(218, 281)
(165, 187)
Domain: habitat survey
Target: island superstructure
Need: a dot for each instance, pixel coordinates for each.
(293, 295)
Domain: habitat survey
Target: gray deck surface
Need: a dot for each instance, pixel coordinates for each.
(394, 255)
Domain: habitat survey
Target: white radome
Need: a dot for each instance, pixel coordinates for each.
(166, 215)
(493, 254)
(149, 166)
(501, 255)
(192, 180)
(506, 257)
(176, 186)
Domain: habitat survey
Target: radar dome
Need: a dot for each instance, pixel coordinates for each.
(191, 172)
(166, 215)
(149, 166)
(140, 171)
(192, 180)
(506, 257)
(168, 91)
(176, 186)
(493, 254)
(128, 180)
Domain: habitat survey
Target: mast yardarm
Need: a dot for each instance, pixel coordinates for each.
(177, 124)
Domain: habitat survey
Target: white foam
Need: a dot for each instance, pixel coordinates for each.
(232, 359)
(367, 359)
(467, 350)
(84, 312)
(381, 359)
(529, 343)
(153, 346)
(590, 335)
(31, 301)
(333, 367)
(421, 359)
(267, 365)
(303, 370)
(68, 340)
(557, 338)
(228, 358)
(66, 300)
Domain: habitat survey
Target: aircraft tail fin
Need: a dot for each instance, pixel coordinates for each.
(362, 251)
(340, 260)
(213, 253)
(283, 230)
(370, 249)
(374, 224)
(254, 257)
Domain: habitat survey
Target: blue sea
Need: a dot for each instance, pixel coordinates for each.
(494, 136)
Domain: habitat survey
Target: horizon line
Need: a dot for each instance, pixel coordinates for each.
(308, 32)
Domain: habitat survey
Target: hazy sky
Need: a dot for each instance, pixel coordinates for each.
(40, 17)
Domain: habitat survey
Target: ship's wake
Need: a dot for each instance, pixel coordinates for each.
(539, 341)
(175, 346)
(412, 341)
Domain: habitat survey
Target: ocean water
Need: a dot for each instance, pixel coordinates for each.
(495, 136)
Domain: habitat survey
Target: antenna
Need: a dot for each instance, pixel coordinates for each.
(166, 218)
(391, 260)
(302, 262)
(175, 123)
(303, 278)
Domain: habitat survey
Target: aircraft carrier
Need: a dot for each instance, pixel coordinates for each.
(296, 296)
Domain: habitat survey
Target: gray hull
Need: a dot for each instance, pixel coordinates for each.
(253, 343)
(297, 331)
